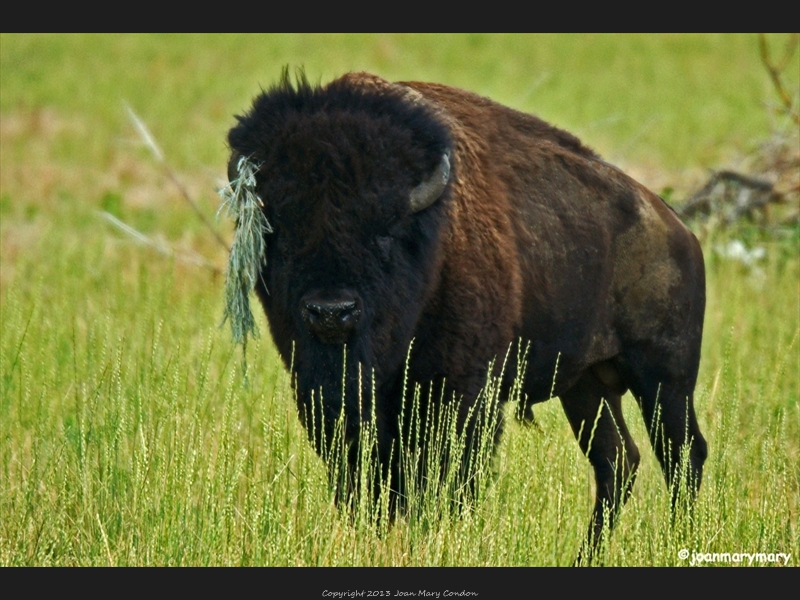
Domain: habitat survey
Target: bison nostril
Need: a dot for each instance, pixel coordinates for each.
(330, 310)
(331, 321)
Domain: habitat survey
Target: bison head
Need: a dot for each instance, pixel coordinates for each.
(354, 187)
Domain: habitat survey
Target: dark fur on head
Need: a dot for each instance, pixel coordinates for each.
(288, 114)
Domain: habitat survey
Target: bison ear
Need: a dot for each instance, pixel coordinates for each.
(429, 191)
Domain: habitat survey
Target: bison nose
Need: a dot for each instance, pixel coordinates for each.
(330, 320)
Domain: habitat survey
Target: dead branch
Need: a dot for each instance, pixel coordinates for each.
(728, 196)
(731, 195)
(775, 71)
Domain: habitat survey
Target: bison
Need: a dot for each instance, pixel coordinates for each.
(411, 241)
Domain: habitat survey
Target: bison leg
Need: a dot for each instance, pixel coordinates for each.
(669, 414)
(595, 414)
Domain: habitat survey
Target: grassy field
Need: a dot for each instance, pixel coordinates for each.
(126, 435)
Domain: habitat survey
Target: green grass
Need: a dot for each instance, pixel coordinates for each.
(126, 435)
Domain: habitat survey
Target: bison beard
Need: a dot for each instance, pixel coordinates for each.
(420, 237)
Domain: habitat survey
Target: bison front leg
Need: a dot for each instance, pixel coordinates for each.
(595, 414)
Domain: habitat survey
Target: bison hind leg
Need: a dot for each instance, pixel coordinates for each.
(666, 396)
(594, 411)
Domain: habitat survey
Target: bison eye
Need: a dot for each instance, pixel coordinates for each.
(384, 243)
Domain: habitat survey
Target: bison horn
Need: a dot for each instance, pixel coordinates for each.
(428, 192)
